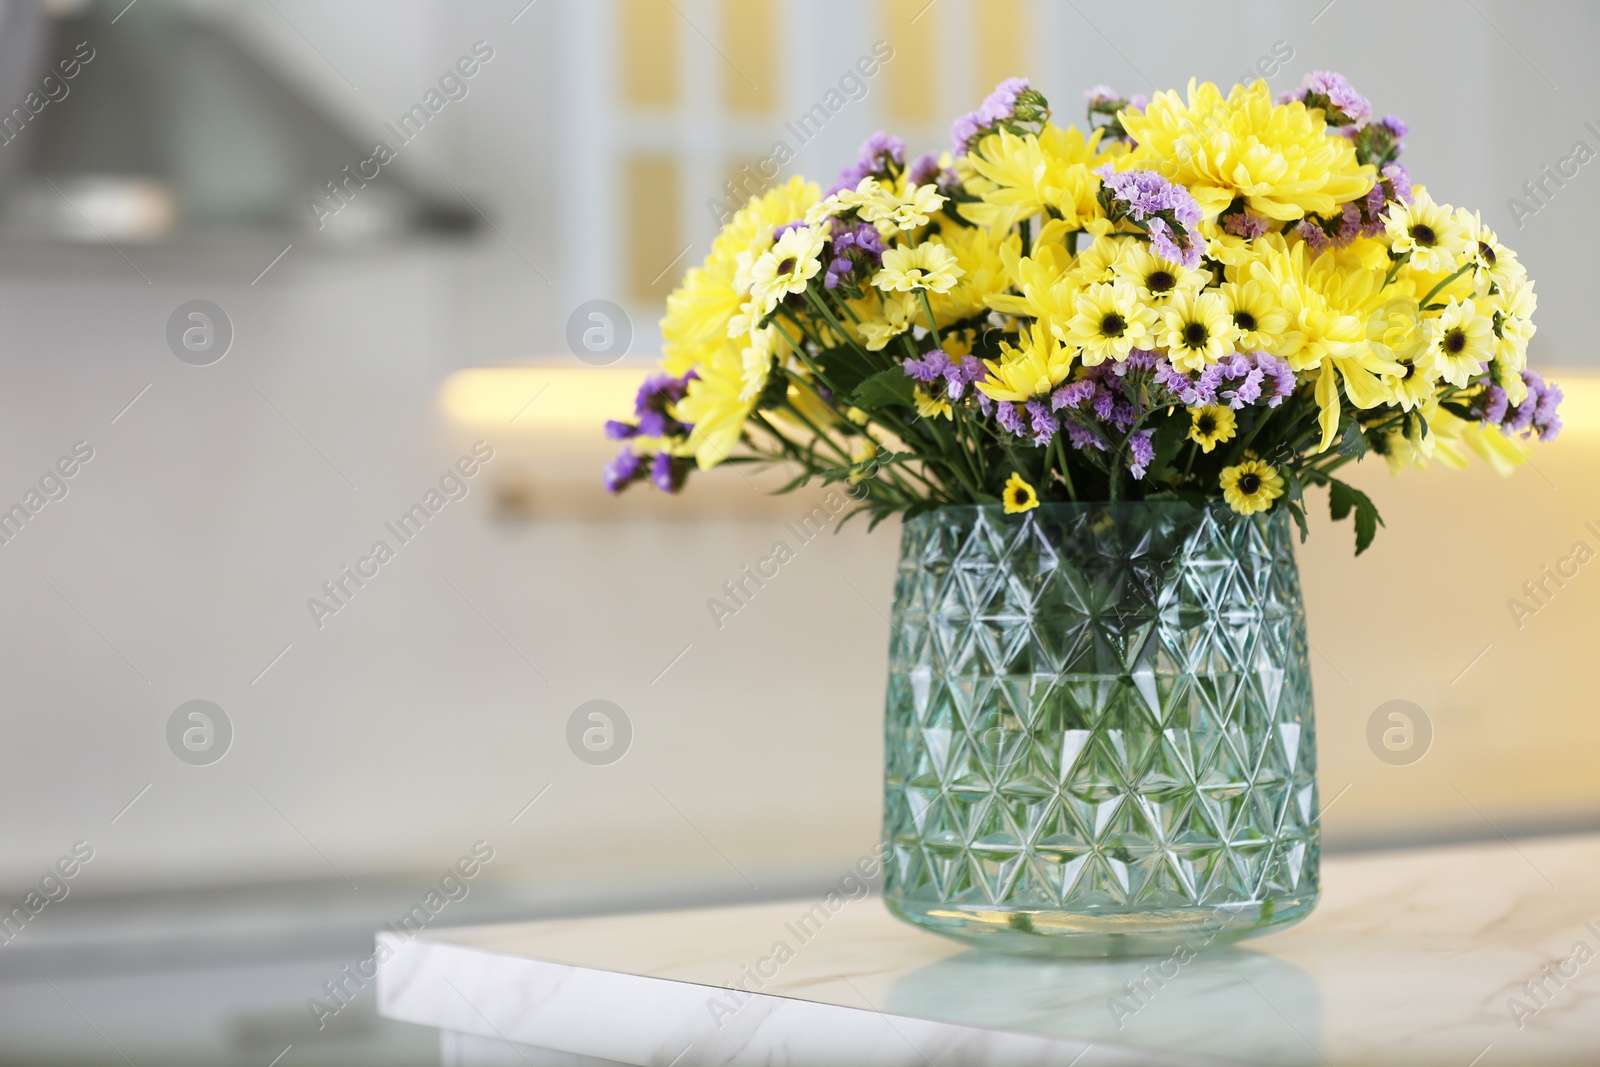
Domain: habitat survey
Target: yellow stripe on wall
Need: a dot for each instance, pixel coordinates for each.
(1003, 52)
(653, 234)
(908, 27)
(649, 53)
(749, 40)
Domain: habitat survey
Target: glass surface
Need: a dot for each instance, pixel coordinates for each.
(1099, 736)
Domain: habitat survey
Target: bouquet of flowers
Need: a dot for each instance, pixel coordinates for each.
(1200, 297)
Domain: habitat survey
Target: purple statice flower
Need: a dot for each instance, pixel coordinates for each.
(1042, 422)
(1169, 212)
(1013, 102)
(850, 245)
(930, 368)
(1333, 93)
(1139, 101)
(1396, 128)
(1494, 408)
(1398, 179)
(881, 154)
(1180, 385)
(924, 170)
(963, 372)
(664, 473)
(620, 431)
(1082, 437)
(1010, 417)
(1074, 394)
(1311, 233)
(1101, 94)
(1278, 378)
(1243, 224)
(1536, 415)
(1138, 359)
(1146, 194)
(1234, 380)
(1141, 452)
(621, 472)
(1104, 402)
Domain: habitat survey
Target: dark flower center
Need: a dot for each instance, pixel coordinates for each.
(1244, 320)
(1249, 484)
(1019, 496)
(1195, 334)
(1160, 281)
(786, 266)
(1206, 425)
(1455, 340)
(1487, 253)
(1411, 368)
(1113, 325)
(1424, 235)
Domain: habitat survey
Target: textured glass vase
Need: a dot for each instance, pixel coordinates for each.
(1099, 737)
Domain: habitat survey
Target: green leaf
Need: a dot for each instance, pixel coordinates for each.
(1297, 512)
(887, 388)
(1342, 497)
(1353, 443)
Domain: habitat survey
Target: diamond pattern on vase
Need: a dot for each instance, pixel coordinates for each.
(1099, 709)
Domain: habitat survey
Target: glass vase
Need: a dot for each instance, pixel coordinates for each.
(1099, 738)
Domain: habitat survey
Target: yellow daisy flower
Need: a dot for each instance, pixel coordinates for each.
(793, 261)
(1155, 278)
(1109, 322)
(1251, 486)
(1280, 158)
(1460, 341)
(1211, 426)
(1432, 233)
(928, 266)
(899, 314)
(1196, 329)
(1416, 386)
(716, 405)
(1256, 315)
(1018, 495)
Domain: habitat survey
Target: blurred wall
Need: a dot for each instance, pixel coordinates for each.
(432, 709)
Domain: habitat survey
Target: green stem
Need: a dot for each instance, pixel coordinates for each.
(933, 327)
(1446, 281)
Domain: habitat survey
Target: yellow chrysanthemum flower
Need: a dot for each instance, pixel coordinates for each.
(1432, 233)
(1251, 486)
(1035, 366)
(1328, 308)
(979, 254)
(716, 405)
(1108, 322)
(1460, 342)
(1016, 178)
(1196, 329)
(698, 311)
(928, 266)
(1281, 158)
(1211, 425)
(1018, 495)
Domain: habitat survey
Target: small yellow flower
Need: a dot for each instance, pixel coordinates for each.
(1109, 322)
(1460, 342)
(928, 266)
(1196, 329)
(1211, 425)
(795, 258)
(1251, 486)
(930, 407)
(899, 315)
(1019, 495)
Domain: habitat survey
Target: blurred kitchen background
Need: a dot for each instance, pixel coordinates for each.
(367, 320)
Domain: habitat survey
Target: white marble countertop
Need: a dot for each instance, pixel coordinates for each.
(1481, 955)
